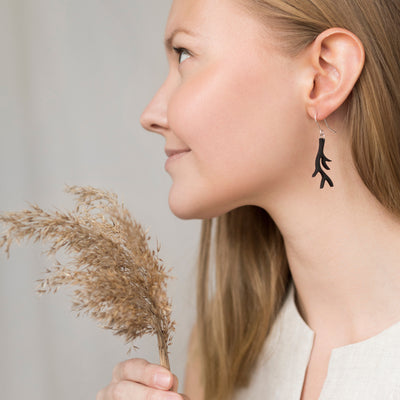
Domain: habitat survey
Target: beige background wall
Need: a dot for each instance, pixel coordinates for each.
(75, 76)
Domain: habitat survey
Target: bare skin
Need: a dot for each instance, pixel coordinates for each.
(316, 372)
(138, 379)
(233, 90)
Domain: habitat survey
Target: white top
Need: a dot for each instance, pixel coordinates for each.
(367, 370)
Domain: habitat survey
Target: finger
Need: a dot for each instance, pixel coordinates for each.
(175, 384)
(127, 390)
(141, 371)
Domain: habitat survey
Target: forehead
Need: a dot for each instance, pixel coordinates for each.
(188, 11)
(183, 16)
(208, 17)
(206, 14)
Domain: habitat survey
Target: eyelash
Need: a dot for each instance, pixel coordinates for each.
(179, 51)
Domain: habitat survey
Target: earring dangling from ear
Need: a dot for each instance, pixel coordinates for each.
(321, 157)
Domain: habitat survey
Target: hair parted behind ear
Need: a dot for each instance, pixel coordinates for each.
(251, 268)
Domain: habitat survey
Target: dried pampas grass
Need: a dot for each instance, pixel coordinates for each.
(119, 281)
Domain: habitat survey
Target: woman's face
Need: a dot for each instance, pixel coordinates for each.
(235, 103)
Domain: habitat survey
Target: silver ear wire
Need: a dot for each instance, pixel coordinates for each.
(326, 123)
(321, 131)
(321, 159)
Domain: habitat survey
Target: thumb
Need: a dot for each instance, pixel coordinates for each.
(175, 385)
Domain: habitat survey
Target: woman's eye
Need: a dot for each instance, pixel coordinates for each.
(180, 51)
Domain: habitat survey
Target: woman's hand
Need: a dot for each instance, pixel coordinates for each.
(137, 379)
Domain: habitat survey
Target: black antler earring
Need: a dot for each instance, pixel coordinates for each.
(321, 157)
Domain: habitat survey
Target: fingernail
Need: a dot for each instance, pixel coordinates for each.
(162, 380)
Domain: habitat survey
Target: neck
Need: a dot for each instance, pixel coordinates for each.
(343, 253)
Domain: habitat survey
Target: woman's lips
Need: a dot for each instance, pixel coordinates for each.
(175, 155)
(171, 152)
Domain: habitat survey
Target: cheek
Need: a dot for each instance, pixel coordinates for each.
(216, 109)
(240, 129)
(232, 113)
(201, 108)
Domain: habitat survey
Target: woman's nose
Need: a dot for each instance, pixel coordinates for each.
(154, 116)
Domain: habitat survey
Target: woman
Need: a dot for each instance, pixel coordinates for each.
(307, 267)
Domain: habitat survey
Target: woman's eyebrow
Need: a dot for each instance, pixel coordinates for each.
(170, 38)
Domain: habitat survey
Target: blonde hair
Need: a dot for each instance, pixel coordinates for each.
(238, 300)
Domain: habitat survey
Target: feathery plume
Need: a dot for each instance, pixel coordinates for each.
(118, 280)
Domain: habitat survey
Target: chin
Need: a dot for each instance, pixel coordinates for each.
(185, 207)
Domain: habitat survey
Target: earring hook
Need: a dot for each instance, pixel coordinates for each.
(321, 131)
(331, 129)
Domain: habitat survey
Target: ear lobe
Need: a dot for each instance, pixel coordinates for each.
(337, 58)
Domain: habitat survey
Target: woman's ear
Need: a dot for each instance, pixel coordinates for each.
(336, 58)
